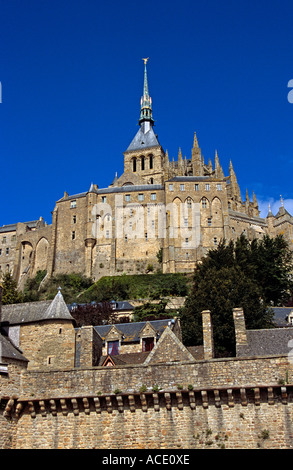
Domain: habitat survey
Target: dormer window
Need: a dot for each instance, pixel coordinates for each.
(113, 347)
(147, 344)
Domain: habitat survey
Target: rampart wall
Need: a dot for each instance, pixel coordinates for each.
(231, 403)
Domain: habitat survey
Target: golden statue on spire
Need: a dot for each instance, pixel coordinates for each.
(145, 60)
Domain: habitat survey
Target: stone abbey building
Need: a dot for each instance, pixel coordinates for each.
(159, 213)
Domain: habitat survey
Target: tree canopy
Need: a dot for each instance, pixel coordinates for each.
(252, 275)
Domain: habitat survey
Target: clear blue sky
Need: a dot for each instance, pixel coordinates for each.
(72, 77)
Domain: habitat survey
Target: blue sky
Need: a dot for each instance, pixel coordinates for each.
(71, 77)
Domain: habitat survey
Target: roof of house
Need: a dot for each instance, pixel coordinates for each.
(281, 315)
(130, 331)
(269, 342)
(124, 359)
(28, 312)
(9, 350)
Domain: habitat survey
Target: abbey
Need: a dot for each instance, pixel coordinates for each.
(159, 214)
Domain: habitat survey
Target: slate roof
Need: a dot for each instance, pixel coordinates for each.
(280, 315)
(9, 350)
(12, 227)
(143, 140)
(130, 331)
(17, 314)
(268, 342)
(124, 359)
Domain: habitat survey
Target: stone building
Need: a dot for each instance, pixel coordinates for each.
(67, 387)
(177, 209)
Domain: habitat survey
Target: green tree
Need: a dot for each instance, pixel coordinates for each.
(252, 275)
(10, 294)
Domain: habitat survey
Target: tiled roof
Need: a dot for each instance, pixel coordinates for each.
(17, 314)
(130, 331)
(124, 359)
(269, 342)
(9, 350)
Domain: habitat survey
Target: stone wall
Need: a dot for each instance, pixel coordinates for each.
(236, 403)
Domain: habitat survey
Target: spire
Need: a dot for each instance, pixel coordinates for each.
(146, 101)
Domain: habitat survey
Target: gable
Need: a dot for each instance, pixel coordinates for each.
(169, 349)
(147, 331)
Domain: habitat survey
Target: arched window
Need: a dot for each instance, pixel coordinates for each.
(204, 203)
(151, 162)
(134, 165)
(142, 162)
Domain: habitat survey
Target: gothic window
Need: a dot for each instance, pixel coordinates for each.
(204, 203)
(189, 202)
(134, 165)
(151, 161)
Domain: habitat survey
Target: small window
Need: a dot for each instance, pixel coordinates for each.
(151, 162)
(207, 187)
(125, 238)
(0, 251)
(113, 347)
(74, 219)
(209, 221)
(73, 236)
(4, 241)
(140, 197)
(151, 180)
(196, 187)
(215, 241)
(7, 251)
(204, 203)
(127, 197)
(134, 165)
(50, 360)
(189, 203)
(186, 241)
(170, 187)
(153, 196)
(147, 344)
(181, 187)
(142, 163)
(219, 187)
(146, 237)
(107, 234)
(73, 204)
(185, 222)
(153, 224)
(104, 199)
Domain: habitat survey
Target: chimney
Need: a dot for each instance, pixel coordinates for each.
(240, 330)
(208, 338)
